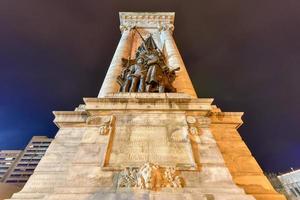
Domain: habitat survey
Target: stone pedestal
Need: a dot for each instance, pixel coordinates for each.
(98, 141)
(154, 146)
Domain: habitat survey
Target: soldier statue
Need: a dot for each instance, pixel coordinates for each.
(148, 72)
(138, 74)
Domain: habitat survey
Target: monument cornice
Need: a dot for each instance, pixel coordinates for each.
(149, 101)
(160, 20)
(65, 118)
(226, 118)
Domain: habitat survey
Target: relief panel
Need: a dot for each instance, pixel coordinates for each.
(160, 138)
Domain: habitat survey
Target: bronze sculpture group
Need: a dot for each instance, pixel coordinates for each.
(148, 72)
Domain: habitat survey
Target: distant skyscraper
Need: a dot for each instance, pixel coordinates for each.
(291, 183)
(24, 162)
(274, 180)
(8, 159)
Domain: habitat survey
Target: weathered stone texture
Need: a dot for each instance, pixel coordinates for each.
(151, 146)
(82, 163)
(242, 165)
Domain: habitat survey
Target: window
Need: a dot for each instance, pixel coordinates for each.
(15, 175)
(11, 181)
(22, 160)
(293, 192)
(22, 165)
(297, 191)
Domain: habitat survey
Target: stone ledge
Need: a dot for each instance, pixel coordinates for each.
(269, 196)
(133, 95)
(146, 19)
(228, 119)
(145, 102)
(63, 118)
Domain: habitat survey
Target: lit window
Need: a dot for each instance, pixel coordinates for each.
(294, 193)
(297, 191)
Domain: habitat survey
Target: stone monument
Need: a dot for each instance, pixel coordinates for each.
(147, 135)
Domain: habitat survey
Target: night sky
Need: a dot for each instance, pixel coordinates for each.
(245, 54)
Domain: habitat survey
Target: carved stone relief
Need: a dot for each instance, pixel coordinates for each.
(195, 123)
(149, 176)
(171, 179)
(180, 135)
(128, 177)
(166, 27)
(147, 20)
(105, 123)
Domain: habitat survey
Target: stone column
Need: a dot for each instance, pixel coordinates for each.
(182, 82)
(123, 50)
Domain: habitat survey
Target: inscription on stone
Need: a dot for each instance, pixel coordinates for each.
(136, 143)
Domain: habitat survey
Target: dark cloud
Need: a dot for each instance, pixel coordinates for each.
(244, 54)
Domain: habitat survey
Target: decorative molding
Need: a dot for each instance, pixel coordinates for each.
(198, 121)
(166, 27)
(99, 120)
(229, 119)
(145, 101)
(147, 20)
(105, 123)
(195, 124)
(125, 28)
(75, 118)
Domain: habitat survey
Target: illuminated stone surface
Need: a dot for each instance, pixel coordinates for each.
(147, 145)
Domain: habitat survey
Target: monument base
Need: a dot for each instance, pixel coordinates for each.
(136, 146)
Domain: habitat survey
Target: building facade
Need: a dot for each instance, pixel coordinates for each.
(291, 183)
(22, 163)
(8, 159)
(274, 180)
(147, 135)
